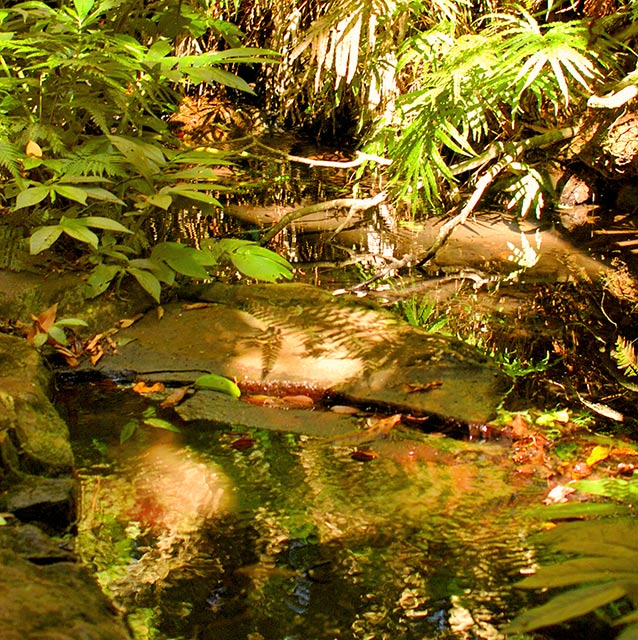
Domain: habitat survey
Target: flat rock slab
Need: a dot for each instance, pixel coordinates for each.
(297, 337)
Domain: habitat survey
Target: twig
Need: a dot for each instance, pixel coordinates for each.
(348, 164)
(353, 204)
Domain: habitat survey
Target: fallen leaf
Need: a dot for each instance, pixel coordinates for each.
(261, 400)
(94, 341)
(242, 444)
(124, 323)
(385, 425)
(363, 456)
(96, 355)
(298, 402)
(142, 388)
(175, 397)
(344, 410)
(598, 454)
(160, 312)
(196, 305)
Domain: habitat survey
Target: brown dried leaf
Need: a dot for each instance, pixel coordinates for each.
(142, 388)
(298, 402)
(196, 305)
(175, 397)
(124, 323)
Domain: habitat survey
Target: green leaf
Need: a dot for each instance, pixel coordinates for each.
(161, 200)
(43, 238)
(72, 193)
(98, 193)
(148, 282)
(31, 196)
(566, 606)
(78, 230)
(146, 158)
(128, 430)
(580, 570)
(83, 8)
(260, 263)
(181, 258)
(158, 423)
(100, 222)
(71, 322)
(213, 382)
(100, 279)
(57, 333)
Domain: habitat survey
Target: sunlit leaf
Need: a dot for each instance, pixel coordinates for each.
(214, 382)
(57, 334)
(72, 193)
(597, 454)
(100, 222)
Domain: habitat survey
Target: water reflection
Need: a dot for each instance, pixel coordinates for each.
(292, 538)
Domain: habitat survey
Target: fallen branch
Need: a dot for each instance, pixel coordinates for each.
(353, 204)
(334, 164)
(512, 152)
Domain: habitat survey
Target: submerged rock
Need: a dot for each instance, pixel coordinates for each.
(293, 336)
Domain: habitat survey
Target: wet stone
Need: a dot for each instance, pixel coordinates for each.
(50, 501)
(291, 336)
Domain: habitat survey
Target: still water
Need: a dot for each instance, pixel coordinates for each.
(220, 533)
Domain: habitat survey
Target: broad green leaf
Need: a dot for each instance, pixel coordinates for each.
(83, 8)
(100, 222)
(72, 193)
(32, 196)
(100, 279)
(161, 200)
(572, 604)
(160, 269)
(148, 282)
(76, 229)
(145, 157)
(128, 430)
(71, 322)
(57, 333)
(40, 339)
(213, 382)
(199, 196)
(260, 263)
(43, 238)
(181, 258)
(220, 76)
(98, 193)
(158, 423)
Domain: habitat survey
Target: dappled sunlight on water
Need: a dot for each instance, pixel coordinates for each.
(215, 533)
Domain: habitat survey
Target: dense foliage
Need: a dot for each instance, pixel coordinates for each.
(84, 142)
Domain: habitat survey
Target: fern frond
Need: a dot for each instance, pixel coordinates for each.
(624, 354)
(9, 155)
